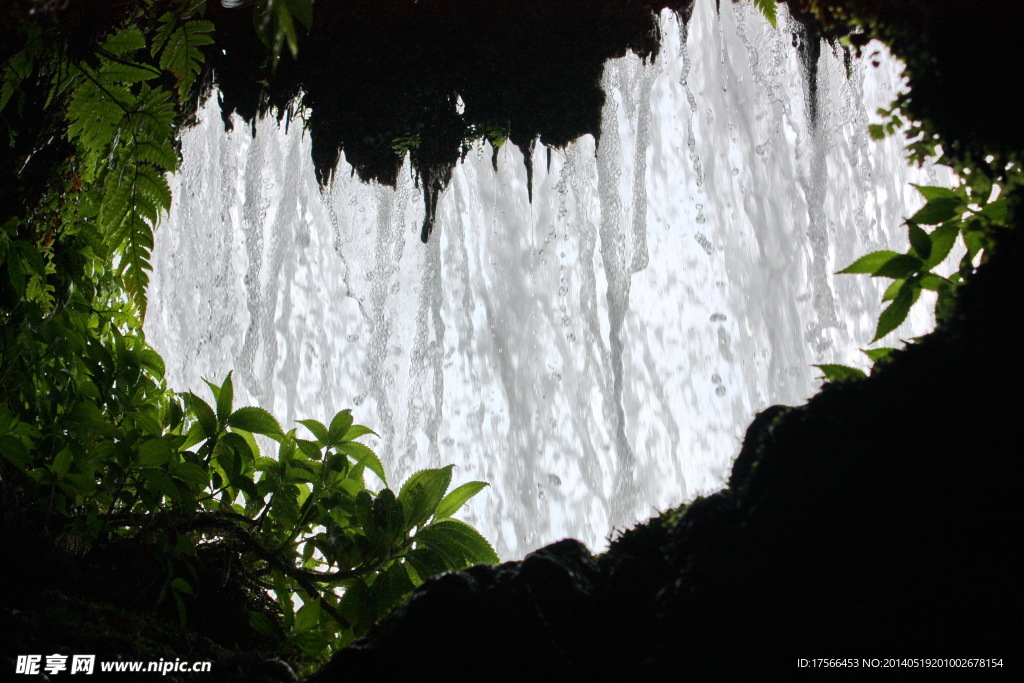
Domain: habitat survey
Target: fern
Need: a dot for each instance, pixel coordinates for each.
(150, 119)
(134, 198)
(160, 153)
(124, 129)
(768, 9)
(177, 47)
(123, 42)
(95, 113)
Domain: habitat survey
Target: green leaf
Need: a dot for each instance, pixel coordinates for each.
(126, 73)
(920, 241)
(308, 616)
(181, 585)
(899, 267)
(426, 563)
(203, 412)
(88, 415)
(124, 41)
(894, 315)
(972, 240)
(240, 446)
(151, 360)
(299, 474)
(364, 456)
(62, 463)
(311, 449)
(836, 373)
(930, 192)
(261, 623)
(390, 588)
(356, 431)
(134, 199)
(179, 43)
(878, 354)
(194, 476)
(937, 210)
(254, 448)
(15, 452)
(942, 238)
(357, 606)
(869, 263)
(457, 542)
(255, 420)
(934, 283)
(892, 290)
(162, 484)
(422, 492)
(318, 430)
(364, 511)
(78, 484)
(154, 453)
(339, 426)
(303, 11)
(451, 503)
(997, 211)
(225, 398)
(285, 508)
(388, 516)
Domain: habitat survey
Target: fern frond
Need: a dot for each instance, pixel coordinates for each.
(124, 41)
(125, 73)
(134, 266)
(95, 115)
(151, 117)
(178, 44)
(768, 9)
(135, 197)
(161, 154)
(153, 190)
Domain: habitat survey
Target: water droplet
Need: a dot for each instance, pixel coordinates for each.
(720, 391)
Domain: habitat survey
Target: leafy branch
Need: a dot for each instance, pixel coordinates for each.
(971, 213)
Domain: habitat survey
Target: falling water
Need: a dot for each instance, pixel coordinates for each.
(595, 354)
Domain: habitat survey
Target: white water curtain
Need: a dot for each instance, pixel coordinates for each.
(595, 355)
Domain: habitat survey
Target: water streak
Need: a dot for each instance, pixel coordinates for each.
(595, 354)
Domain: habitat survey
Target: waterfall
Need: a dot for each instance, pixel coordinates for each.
(594, 354)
